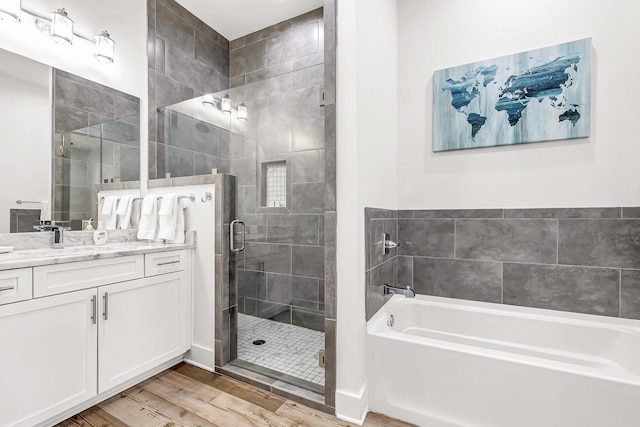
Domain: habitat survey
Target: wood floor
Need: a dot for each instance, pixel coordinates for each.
(190, 396)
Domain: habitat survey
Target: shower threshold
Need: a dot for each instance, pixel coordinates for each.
(307, 385)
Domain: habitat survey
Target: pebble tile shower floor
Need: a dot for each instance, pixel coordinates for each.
(288, 349)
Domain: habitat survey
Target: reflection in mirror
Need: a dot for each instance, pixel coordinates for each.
(97, 140)
(25, 132)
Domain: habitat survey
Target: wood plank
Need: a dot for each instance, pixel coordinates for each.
(93, 417)
(308, 417)
(379, 420)
(240, 390)
(138, 414)
(174, 412)
(219, 407)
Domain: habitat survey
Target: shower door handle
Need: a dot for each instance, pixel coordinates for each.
(232, 236)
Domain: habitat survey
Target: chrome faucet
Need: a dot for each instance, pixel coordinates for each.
(394, 290)
(58, 236)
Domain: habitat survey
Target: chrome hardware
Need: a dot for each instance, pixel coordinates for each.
(26, 201)
(94, 309)
(105, 312)
(7, 288)
(58, 236)
(160, 264)
(387, 244)
(207, 196)
(391, 321)
(393, 290)
(232, 240)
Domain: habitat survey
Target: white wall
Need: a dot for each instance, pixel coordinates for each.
(24, 136)
(366, 172)
(599, 171)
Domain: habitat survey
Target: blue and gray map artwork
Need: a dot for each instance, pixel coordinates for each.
(533, 96)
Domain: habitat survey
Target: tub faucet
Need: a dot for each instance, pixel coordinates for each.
(394, 290)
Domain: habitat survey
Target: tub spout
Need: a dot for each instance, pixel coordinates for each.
(393, 290)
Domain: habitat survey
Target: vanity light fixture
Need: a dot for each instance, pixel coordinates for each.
(10, 10)
(59, 27)
(104, 47)
(242, 112)
(225, 104)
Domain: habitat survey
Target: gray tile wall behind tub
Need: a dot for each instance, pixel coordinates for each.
(583, 260)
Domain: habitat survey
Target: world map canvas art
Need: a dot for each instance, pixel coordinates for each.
(533, 96)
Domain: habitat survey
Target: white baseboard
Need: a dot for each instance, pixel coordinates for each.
(352, 407)
(202, 357)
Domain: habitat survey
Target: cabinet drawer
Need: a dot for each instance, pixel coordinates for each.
(73, 276)
(164, 262)
(15, 285)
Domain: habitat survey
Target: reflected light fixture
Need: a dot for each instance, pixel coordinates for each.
(59, 27)
(104, 47)
(225, 104)
(209, 100)
(242, 112)
(10, 10)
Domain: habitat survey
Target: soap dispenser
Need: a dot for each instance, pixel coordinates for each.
(100, 235)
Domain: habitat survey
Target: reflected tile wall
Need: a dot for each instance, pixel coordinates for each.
(100, 128)
(584, 260)
(187, 58)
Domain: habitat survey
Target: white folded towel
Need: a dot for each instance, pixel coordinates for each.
(136, 211)
(168, 216)
(45, 211)
(180, 224)
(149, 218)
(125, 207)
(109, 217)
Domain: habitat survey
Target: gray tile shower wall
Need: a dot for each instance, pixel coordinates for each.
(584, 260)
(100, 130)
(187, 58)
(280, 69)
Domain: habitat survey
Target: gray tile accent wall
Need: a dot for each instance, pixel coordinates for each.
(100, 127)
(187, 58)
(584, 260)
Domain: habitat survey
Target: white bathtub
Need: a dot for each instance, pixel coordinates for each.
(449, 362)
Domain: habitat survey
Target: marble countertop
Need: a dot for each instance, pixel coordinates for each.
(47, 256)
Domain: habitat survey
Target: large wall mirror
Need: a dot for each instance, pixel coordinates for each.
(63, 135)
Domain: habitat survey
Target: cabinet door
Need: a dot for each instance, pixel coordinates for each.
(143, 323)
(48, 357)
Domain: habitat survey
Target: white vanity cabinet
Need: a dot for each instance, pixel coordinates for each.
(142, 324)
(47, 357)
(91, 329)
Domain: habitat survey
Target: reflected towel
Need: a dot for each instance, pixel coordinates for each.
(108, 213)
(168, 216)
(148, 218)
(180, 224)
(45, 211)
(125, 207)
